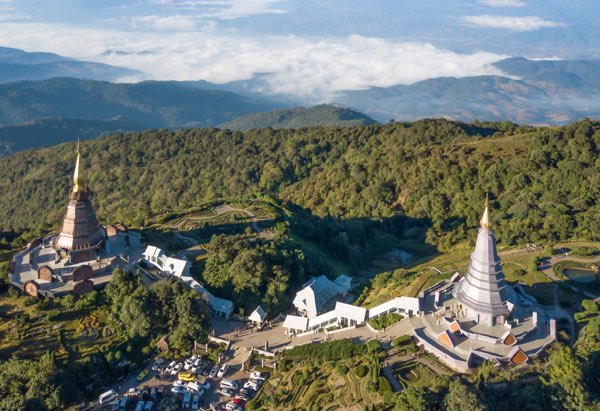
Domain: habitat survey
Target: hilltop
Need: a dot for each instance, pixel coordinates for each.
(321, 115)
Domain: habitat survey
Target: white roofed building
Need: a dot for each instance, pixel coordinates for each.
(316, 294)
(167, 265)
(258, 316)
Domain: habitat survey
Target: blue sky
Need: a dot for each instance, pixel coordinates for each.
(312, 48)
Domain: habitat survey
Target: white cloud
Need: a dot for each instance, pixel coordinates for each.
(300, 67)
(502, 3)
(511, 23)
(223, 9)
(165, 23)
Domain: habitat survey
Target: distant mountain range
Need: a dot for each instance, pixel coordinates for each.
(17, 65)
(298, 117)
(49, 110)
(150, 104)
(534, 92)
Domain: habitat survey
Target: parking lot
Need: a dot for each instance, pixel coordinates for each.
(195, 382)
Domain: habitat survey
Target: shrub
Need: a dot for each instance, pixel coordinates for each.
(373, 346)
(285, 365)
(326, 351)
(384, 386)
(584, 251)
(402, 340)
(385, 320)
(29, 301)
(361, 371)
(590, 306)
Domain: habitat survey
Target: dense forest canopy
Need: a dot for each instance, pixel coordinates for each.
(544, 182)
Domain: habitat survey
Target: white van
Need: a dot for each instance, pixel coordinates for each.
(225, 383)
(107, 397)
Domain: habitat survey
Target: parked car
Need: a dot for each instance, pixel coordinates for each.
(251, 384)
(123, 403)
(107, 397)
(196, 365)
(225, 383)
(195, 387)
(200, 369)
(208, 369)
(149, 406)
(242, 396)
(140, 405)
(239, 402)
(255, 375)
(153, 393)
(179, 383)
(232, 406)
(186, 376)
(178, 390)
(248, 391)
(214, 371)
(187, 399)
(189, 362)
(196, 402)
(176, 369)
(170, 367)
(157, 364)
(132, 392)
(222, 370)
(227, 392)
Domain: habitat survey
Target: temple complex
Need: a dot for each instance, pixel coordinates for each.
(466, 320)
(79, 258)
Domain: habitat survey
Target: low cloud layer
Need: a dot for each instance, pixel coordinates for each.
(510, 22)
(304, 68)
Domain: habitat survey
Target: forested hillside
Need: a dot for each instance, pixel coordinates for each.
(544, 183)
(321, 115)
(52, 131)
(149, 103)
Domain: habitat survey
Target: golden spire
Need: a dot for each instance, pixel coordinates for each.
(485, 218)
(76, 173)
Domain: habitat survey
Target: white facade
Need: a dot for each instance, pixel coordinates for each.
(317, 292)
(348, 315)
(168, 265)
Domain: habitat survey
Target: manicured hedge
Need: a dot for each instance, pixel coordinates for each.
(327, 351)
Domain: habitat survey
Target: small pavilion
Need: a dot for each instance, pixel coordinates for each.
(258, 316)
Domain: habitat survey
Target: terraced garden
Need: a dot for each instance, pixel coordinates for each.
(317, 388)
(413, 374)
(201, 223)
(30, 331)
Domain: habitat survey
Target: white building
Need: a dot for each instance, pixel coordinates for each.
(319, 291)
(167, 265)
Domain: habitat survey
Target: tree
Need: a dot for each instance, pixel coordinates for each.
(411, 399)
(565, 376)
(461, 397)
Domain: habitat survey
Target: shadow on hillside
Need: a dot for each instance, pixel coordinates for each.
(367, 246)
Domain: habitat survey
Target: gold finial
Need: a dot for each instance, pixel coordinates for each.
(76, 173)
(485, 218)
